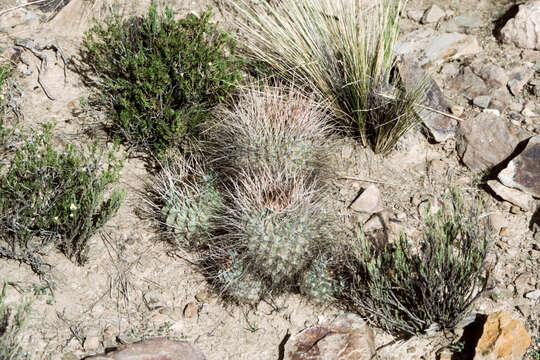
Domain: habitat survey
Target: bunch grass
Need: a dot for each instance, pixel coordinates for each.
(412, 290)
(12, 319)
(340, 50)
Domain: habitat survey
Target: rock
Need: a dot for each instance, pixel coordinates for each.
(433, 48)
(524, 29)
(482, 101)
(450, 70)
(502, 339)
(370, 201)
(493, 75)
(432, 14)
(469, 21)
(91, 342)
(457, 110)
(415, 15)
(492, 111)
(203, 296)
(497, 222)
(153, 349)
(469, 83)
(529, 109)
(501, 99)
(16, 18)
(440, 127)
(348, 337)
(523, 171)
(533, 295)
(513, 196)
(518, 78)
(191, 309)
(484, 141)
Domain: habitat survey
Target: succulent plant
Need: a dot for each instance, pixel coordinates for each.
(239, 284)
(319, 283)
(189, 209)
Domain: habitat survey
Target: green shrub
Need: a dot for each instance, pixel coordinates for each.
(161, 77)
(11, 323)
(50, 197)
(411, 291)
(344, 53)
(6, 127)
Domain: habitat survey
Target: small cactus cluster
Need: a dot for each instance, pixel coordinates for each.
(318, 283)
(188, 201)
(261, 229)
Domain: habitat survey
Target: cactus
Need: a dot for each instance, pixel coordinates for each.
(319, 283)
(238, 283)
(189, 210)
(279, 245)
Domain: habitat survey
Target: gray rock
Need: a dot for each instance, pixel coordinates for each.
(482, 101)
(440, 127)
(533, 295)
(415, 15)
(523, 172)
(433, 48)
(524, 29)
(432, 14)
(501, 99)
(348, 337)
(494, 76)
(513, 196)
(484, 141)
(469, 21)
(153, 349)
(369, 202)
(518, 78)
(468, 83)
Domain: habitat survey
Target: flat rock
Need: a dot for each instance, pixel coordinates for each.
(482, 101)
(513, 196)
(484, 141)
(153, 349)
(502, 339)
(440, 127)
(523, 172)
(433, 48)
(524, 29)
(501, 99)
(469, 83)
(415, 15)
(469, 21)
(369, 202)
(533, 295)
(493, 75)
(348, 337)
(432, 14)
(518, 78)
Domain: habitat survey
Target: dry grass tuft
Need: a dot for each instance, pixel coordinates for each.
(343, 52)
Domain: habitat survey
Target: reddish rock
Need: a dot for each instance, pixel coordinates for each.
(523, 172)
(502, 339)
(153, 349)
(484, 141)
(348, 337)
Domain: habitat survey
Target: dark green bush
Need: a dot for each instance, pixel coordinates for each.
(160, 76)
(55, 198)
(411, 291)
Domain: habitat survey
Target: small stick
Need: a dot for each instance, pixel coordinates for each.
(20, 6)
(366, 180)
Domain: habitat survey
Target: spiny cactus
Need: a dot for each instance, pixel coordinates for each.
(188, 199)
(276, 225)
(319, 283)
(271, 128)
(189, 209)
(238, 284)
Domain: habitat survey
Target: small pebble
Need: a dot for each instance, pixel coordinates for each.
(514, 116)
